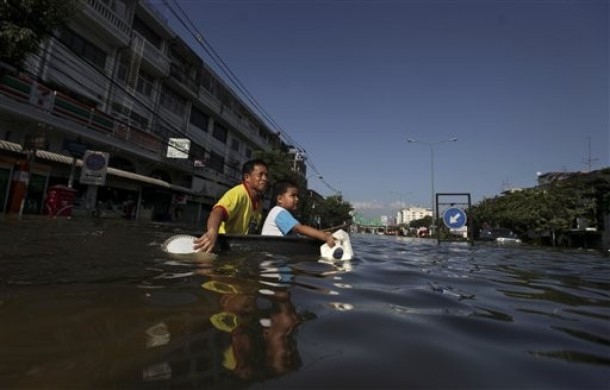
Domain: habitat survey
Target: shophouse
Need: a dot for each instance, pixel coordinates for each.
(119, 111)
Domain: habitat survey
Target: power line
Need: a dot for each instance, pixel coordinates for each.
(222, 65)
(169, 127)
(56, 57)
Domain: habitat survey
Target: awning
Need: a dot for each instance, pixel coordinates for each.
(10, 146)
(60, 158)
(135, 176)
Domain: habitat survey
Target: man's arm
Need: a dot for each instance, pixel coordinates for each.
(207, 241)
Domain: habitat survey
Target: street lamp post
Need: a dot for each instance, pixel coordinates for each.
(431, 146)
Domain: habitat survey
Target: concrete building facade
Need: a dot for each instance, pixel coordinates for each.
(408, 214)
(118, 82)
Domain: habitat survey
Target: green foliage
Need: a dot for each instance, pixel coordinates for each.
(330, 211)
(24, 24)
(334, 211)
(423, 222)
(550, 208)
(280, 166)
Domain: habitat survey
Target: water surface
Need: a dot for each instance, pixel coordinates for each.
(86, 303)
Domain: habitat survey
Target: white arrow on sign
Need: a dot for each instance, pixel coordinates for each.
(454, 218)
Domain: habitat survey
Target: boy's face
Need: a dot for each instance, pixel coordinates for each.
(289, 199)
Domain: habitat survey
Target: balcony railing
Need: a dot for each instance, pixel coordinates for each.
(26, 90)
(108, 19)
(150, 53)
(243, 126)
(177, 73)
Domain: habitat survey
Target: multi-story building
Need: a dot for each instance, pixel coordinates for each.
(408, 214)
(119, 83)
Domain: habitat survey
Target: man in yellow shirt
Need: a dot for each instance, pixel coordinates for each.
(239, 211)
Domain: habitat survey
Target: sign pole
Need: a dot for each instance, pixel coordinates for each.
(72, 172)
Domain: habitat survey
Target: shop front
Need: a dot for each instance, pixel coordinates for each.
(123, 194)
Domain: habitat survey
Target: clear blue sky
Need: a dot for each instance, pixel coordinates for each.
(523, 84)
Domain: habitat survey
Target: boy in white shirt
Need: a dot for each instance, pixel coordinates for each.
(281, 222)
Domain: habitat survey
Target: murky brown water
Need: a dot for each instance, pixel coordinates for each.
(96, 304)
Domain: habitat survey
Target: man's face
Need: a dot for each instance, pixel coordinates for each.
(258, 180)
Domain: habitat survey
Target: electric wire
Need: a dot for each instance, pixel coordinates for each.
(214, 56)
(78, 70)
(206, 46)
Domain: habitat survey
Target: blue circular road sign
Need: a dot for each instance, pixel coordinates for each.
(454, 218)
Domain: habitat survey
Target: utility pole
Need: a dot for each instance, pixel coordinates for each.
(589, 161)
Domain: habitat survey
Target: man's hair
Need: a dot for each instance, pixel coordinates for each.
(248, 166)
(282, 187)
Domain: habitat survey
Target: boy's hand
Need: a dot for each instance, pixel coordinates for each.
(330, 240)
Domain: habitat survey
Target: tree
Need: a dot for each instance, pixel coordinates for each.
(280, 168)
(334, 211)
(25, 24)
(330, 211)
(423, 222)
(549, 210)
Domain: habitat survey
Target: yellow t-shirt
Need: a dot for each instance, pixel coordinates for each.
(243, 214)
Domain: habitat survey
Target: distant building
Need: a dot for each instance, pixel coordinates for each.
(386, 221)
(408, 214)
(550, 177)
(511, 190)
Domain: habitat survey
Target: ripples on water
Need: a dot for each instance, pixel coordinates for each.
(97, 304)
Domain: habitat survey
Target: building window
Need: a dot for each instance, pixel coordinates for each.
(145, 83)
(140, 121)
(164, 132)
(248, 153)
(146, 32)
(172, 101)
(235, 145)
(123, 70)
(220, 133)
(217, 162)
(199, 155)
(83, 48)
(129, 116)
(233, 169)
(199, 119)
(206, 79)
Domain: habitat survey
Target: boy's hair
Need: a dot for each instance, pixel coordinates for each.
(281, 187)
(248, 166)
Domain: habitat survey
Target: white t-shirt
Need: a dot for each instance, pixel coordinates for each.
(279, 222)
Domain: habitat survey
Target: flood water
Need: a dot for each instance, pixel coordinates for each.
(97, 304)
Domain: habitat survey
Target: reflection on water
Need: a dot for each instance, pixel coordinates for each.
(97, 304)
(259, 328)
